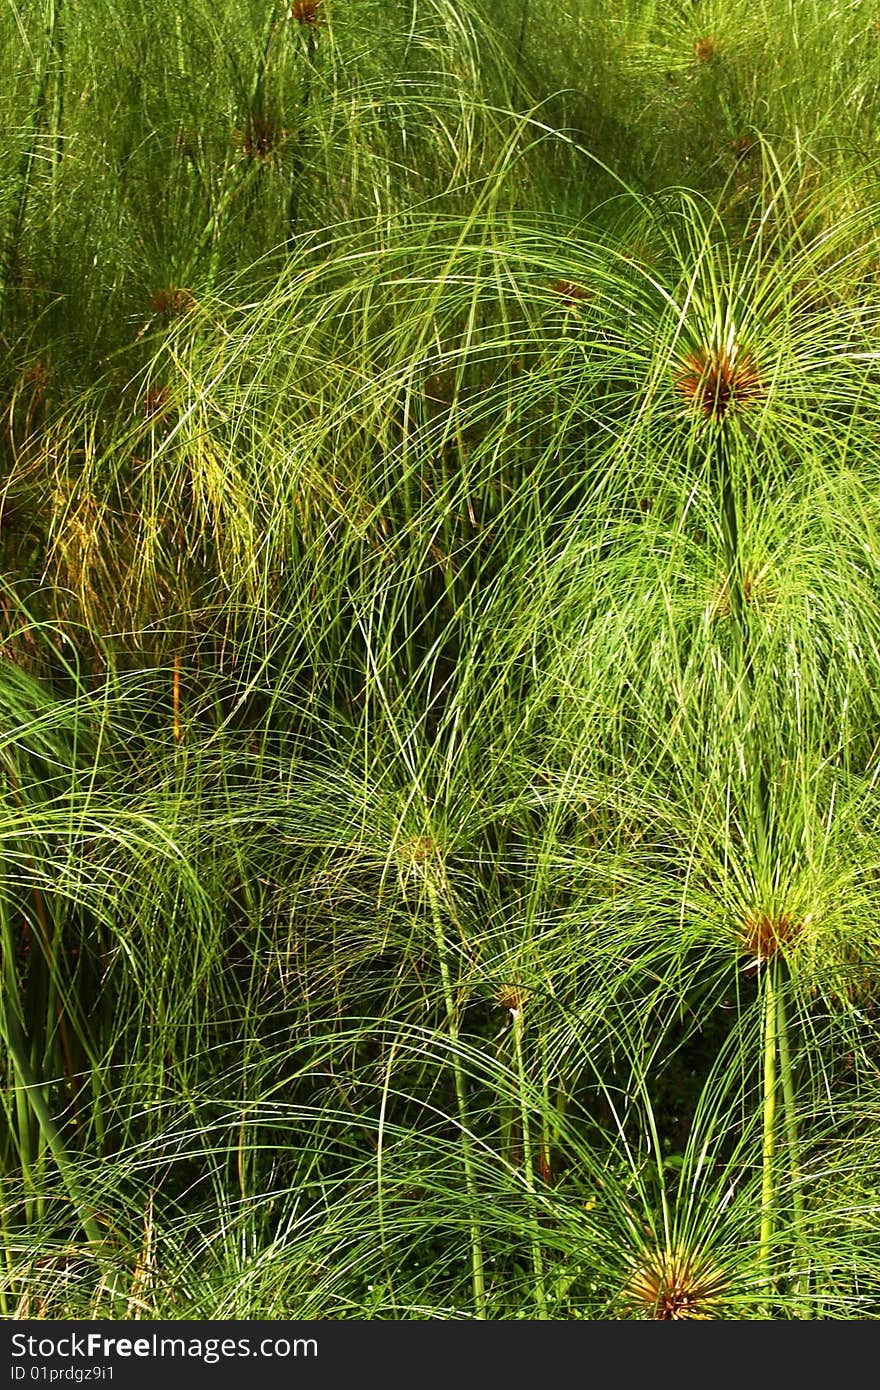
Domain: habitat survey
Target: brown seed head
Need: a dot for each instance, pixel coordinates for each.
(756, 593)
(674, 1286)
(34, 385)
(37, 377)
(569, 291)
(704, 49)
(170, 302)
(764, 936)
(307, 11)
(155, 401)
(419, 849)
(742, 146)
(440, 386)
(262, 139)
(509, 997)
(418, 857)
(713, 380)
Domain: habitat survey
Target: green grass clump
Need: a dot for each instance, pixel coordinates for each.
(439, 661)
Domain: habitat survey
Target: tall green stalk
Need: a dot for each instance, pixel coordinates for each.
(768, 1147)
(528, 1164)
(736, 588)
(299, 151)
(776, 1046)
(801, 1277)
(758, 816)
(478, 1279)
(523, 24)
(55, 27)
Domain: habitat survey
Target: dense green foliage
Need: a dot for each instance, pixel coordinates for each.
(440, 659)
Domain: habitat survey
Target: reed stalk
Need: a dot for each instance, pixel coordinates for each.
(478, 1279)
(535, 1250)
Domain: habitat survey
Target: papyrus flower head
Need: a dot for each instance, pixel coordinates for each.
(716, 381)
(675, 1285)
